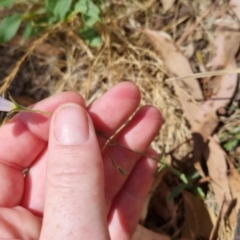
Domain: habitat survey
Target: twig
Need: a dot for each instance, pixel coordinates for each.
(206, 74)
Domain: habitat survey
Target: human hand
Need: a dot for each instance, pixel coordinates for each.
(76, 188)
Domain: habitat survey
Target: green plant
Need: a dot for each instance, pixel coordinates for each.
(42, 14)
(231, 138)
(186, 180)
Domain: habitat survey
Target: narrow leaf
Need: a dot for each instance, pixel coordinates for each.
(176, 191)
(193, 175)
(229, 146)
(28, 31)
(9, 27)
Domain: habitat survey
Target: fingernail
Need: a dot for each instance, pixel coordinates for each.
(71, 125)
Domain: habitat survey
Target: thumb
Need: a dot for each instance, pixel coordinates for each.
(74, 200)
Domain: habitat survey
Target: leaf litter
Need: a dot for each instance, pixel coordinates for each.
(202, 115)
(195, 44)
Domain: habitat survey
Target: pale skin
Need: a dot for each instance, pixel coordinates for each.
(73, 190)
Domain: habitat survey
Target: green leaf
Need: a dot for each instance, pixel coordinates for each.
(28, 31)
(235, 130)
(50, 4)
(6, 3)
(199, 192)
(61, 9)
(9, 27)
(91, 36)
(230, 145)
(88, 8)
(173, 170)
(89, 21)
(193, 175)
(176, 191)
(184, 178)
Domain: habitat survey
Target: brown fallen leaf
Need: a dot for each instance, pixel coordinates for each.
(234, 183)
(163, 208)
(167, 5)
(235, 6)
(217, 168)
(214, 233)
(143, 233)
(195, 210)
(158, 180)
(203, 119)
(187, 90)
(226, 47)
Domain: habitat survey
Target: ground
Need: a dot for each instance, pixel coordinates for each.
(180, 54)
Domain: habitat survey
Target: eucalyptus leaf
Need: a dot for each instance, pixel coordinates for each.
(9, 27)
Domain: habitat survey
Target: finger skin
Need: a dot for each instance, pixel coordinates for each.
(133, 193)
(112, 109)
(19, 223)
(21, 140)
(74, 200)
(137, 136)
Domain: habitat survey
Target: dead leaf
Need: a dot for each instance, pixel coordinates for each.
(194, 210)
(214, 233)
(167, 5)
(163, 208)
(217, 169)
(226, 47)
(156, 183)
(234, 183)
(187, 90)
(143, 233)
(235, 5)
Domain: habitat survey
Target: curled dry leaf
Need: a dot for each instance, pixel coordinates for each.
(195, 209)
(143, 233)
(158, 180)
